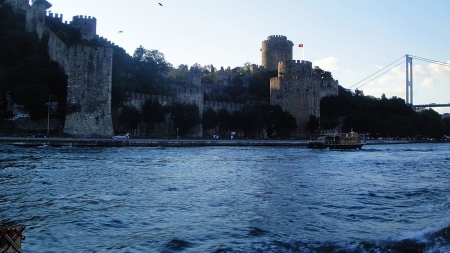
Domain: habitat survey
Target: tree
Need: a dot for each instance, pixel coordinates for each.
(129, 117)
(184, 116)
(259, 84)
(153, 112)
(196, 68)
(223, 120)
(313, 123)
(210, 119)
(431, 124)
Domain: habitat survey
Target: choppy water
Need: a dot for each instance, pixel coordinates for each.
(392, 198)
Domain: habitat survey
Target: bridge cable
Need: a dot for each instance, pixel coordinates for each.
(437, 63)
(430, 61)
(379, 75)
(376, 73)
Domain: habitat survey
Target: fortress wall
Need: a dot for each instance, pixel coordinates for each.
(137, 100)
(298, 90)
(56, 48)
(34, 15)
(295, 68)
(57, 16)
(216, 106)
(89, 92)
(300, 96)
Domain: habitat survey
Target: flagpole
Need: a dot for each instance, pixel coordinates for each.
(303, 50)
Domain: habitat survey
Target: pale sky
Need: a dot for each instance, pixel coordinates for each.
(352, 39)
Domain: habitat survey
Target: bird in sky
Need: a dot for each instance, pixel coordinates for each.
(160, 4)
(120, 32)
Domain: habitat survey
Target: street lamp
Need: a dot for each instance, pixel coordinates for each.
(48, 117)
(177, 134)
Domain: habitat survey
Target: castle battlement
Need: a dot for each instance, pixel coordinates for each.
(216, 106)
(83, 17)
(295, 68)
(87, 26)
(188, 90)
(55, 16)
(277, 37)
(105, 40)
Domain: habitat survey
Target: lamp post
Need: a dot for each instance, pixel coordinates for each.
(177, 134)
(48, 117)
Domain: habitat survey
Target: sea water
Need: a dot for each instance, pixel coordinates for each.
(383, 198)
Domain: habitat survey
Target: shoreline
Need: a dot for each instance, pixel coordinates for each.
(102, 142)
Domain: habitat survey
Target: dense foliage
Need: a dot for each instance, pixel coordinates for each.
(26, 73)
(379, 117)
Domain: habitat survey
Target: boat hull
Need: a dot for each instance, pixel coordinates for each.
(344, 146)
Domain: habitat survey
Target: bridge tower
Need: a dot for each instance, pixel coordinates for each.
(409, 81)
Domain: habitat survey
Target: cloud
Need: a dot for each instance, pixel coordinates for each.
(399, 71)
(428, 82)
(386, 79)
(348, 71)
(328, 64)
(439, 70)
(419, 71)
(378, 66)
(398, 91)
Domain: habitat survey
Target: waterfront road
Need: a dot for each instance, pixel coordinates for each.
(104, 142)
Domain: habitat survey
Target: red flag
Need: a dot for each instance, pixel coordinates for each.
(300, 45)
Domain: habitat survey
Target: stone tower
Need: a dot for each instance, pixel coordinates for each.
(89, 92)
(275, 49)
(298, 89)
(87, 26)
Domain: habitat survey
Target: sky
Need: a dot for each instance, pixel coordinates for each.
(352, 39)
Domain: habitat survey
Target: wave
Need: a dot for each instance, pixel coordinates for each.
(419, 242)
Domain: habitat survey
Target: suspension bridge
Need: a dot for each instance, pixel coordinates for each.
(427, 83)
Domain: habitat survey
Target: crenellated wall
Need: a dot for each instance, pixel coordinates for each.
(89, 92)
(137, 100)
(216, 106)
(56, 16)
(275, 49)
(255, 68)
(298, 90)
(87, 26)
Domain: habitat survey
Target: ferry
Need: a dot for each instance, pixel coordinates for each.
(336, 141)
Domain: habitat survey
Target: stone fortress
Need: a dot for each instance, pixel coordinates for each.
(89, 72)
(297, 89)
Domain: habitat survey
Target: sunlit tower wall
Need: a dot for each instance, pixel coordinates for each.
(275, 49)
(87, 26)
(298, 89)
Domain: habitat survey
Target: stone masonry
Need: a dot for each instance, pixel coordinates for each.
(89, 92)
(89, 74)
(298, 90)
